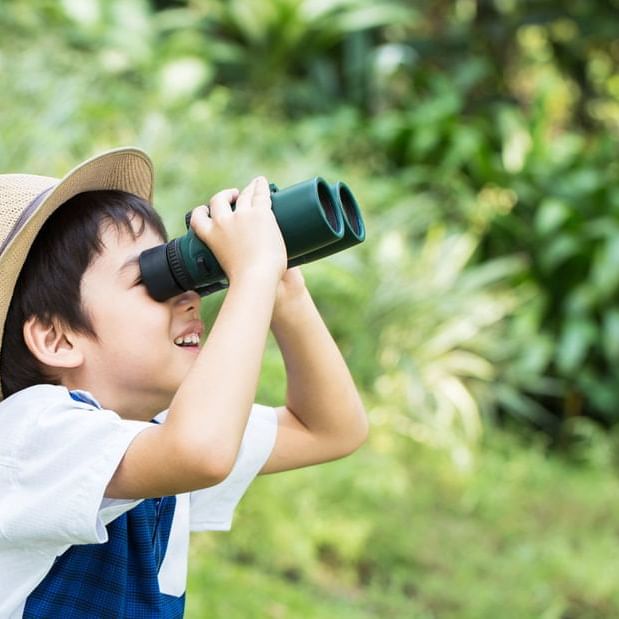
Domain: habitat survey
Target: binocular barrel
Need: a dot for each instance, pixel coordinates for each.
(354, 228)
(316, 220)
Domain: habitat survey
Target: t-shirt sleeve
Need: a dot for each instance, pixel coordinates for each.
(53, 483)
(213, 508)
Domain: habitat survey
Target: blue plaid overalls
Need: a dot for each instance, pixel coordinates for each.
(114, 580)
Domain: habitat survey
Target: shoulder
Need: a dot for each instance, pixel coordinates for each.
(57, 456)
(20, 412)
(42, 416)
(34, 400)
(36, 393)
(29, 405)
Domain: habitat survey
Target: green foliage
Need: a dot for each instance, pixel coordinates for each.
(435, 357)
(294, 53)
(508, 123)
(494, 123)
(569, 209)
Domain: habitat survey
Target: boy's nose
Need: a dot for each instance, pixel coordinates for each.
(189, 298)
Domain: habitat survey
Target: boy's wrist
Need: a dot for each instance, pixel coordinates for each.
(292, 309)
(255, 276)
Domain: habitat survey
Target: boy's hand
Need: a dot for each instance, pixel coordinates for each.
(290, 291)
(291, 285)
(246, 241)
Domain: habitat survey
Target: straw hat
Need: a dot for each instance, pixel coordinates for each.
(27, 200)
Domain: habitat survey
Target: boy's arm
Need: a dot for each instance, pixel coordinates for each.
(324, 418)
(198, 444)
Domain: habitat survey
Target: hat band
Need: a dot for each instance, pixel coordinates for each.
(23, 218)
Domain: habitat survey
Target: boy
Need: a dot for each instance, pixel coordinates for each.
(98, 488)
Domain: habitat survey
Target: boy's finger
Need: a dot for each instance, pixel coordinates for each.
(200, 218)
(245, 197)
(220, 203)
(261, 196)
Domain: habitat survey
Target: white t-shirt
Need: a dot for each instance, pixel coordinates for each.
(57, 456)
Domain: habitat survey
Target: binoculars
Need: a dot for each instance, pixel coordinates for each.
(316, 219)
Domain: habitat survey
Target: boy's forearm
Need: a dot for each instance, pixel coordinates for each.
(212, 405)
(320, 390)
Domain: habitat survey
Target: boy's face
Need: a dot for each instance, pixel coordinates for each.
(135, 367)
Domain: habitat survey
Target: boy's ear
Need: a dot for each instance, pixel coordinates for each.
(52, 344)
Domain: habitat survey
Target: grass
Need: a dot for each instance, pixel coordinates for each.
(524, 533)
(224, 588)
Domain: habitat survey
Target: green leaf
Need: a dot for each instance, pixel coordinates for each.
(372, 16)
(560, 249)
(551, 215)
(581, 299)
(580, 183)
(604, 271)
(576, 339)
(610, 335)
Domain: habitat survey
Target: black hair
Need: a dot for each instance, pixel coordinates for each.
(48, 286)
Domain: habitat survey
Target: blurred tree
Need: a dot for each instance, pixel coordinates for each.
(498, 118)
(298, 54)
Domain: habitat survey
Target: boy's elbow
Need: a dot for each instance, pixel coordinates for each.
(217, 463)
(215, 471)
(208, 464)
(358, 434)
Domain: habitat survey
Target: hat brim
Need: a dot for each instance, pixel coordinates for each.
(124, 169)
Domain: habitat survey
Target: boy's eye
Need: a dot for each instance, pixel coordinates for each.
(138, 281)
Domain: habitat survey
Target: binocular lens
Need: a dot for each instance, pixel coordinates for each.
(328, 207)
(350, 208)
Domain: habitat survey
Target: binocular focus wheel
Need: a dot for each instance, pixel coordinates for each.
(177, 267)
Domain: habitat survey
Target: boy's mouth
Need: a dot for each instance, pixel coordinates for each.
(189, 337)
(189, 340)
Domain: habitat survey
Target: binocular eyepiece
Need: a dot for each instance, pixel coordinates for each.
(316, 219)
